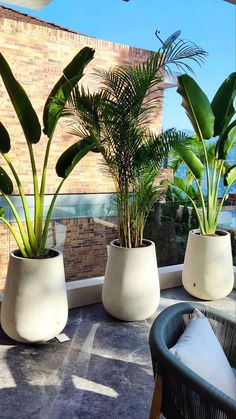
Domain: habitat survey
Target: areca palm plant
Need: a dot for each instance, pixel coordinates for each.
(117, 119)
(215, 119)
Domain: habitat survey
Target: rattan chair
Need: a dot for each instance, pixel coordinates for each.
(180, 393)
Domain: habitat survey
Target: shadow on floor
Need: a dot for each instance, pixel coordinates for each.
(93, 375)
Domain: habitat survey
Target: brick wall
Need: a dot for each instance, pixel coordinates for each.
(83, 242)
(37, 56)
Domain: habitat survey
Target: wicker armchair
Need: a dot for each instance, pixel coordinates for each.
(179, 392)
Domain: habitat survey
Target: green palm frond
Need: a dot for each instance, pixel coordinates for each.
(118, 118)
(177, 52)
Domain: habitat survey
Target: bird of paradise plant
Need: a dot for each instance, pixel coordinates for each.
(31, 240)
(209, 119)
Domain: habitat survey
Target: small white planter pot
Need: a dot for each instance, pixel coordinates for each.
(34, 308)
(131, 289)
(208, 265)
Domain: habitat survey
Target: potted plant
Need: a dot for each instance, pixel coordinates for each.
(118, 118)
(208, 269)
(34, 307)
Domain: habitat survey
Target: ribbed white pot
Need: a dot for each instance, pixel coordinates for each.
(208, 265)
(131, 289)
(34, 308)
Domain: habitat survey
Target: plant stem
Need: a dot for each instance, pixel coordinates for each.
(42, 190)
(201, 224)
(220, 206)
(209, 195)
(16, 237)
(48, 217)
(218, 183)
(31, 233)
(24, 237)
(204, 215)
(36, 196)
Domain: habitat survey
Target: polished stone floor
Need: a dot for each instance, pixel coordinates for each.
(103, 371)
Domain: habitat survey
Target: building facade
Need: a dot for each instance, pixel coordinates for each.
(37, 52)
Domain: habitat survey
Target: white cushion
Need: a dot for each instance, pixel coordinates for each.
(199, 349)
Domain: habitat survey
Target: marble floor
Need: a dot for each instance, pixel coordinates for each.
(103, 371)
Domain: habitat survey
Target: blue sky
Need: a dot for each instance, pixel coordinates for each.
(211, 24)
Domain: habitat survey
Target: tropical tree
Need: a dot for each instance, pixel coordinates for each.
(117, 120)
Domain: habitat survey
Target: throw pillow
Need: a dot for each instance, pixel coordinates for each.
(199, 349)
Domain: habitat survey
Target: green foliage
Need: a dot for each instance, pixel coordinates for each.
(207, 119)
(169, 207)
(117, 118)
(170, 235)
(185, 215)
(193, 221)
(32, 240)
(190, 159)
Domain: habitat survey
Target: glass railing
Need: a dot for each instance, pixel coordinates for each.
(168, 226)
(83, 225)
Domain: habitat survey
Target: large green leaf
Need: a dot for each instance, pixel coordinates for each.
(192, 193)
(226, 141)
(222, 104)
(21, 103)
(68, 160)
(57, 104)
(190, 159)
(6, 185)
(197, 106)
(2, 212)
(5, 142)
(74, 70)
(230, 176)
(180, 183)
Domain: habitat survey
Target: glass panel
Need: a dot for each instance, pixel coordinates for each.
(168, 226)
(83, 226)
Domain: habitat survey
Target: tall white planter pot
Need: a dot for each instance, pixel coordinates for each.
(34, 308)
(208, 265)
(131, 289)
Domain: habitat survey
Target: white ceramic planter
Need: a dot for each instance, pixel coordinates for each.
(34, 307)
(208, 266)
(131, 289)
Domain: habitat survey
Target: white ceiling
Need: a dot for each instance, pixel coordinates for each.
(30, 4)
